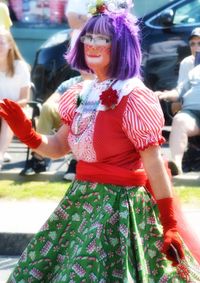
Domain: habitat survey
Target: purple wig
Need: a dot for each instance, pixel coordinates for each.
(125, 44)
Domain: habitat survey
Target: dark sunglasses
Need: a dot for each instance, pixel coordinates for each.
(194, 43)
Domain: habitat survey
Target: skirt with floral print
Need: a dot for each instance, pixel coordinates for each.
(99, 233)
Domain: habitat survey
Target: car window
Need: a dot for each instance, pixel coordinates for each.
(188, 13)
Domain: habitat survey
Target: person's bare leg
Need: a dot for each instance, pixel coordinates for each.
(6, 136)
(183, 126)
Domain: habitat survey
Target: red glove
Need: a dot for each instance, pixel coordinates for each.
(172, 246)
(18, 122)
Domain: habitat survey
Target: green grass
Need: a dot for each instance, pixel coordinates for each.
(26, 190)
(189, 196)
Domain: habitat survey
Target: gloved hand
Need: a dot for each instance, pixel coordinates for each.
(19, 123)
(172, 246)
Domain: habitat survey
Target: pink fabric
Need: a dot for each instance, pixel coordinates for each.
(143, 119)
(187, 233)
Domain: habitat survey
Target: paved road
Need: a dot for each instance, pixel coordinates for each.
(6, 266)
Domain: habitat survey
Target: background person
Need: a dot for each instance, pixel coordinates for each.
(14, 84)
(185, 122)
(77, 15)
(186, 65)
(48, 123)
(106, 228)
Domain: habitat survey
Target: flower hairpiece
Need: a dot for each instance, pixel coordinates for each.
(115, 6)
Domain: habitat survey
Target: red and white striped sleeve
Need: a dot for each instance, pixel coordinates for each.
(68, 103)
(143, 119)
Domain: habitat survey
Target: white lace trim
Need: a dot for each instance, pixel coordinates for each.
(93, 89)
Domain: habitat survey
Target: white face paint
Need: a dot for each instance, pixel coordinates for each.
(97, 56)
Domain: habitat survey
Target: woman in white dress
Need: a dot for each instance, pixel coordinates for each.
(14, 83)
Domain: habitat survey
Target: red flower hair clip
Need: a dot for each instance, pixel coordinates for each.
(109, 97)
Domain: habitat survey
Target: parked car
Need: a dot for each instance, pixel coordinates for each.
(164, 38)
(165, 34)
(50, 68)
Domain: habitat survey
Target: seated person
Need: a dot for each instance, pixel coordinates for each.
(184, 124)
(76, 15)
(49, 121)
(186, 65)
(14, 84)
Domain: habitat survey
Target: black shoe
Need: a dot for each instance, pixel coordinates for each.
(71, 171)
(35, 165)
(28, 170)
(173, 167)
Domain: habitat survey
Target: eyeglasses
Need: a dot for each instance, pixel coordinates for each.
(194, 43)
(98, 40)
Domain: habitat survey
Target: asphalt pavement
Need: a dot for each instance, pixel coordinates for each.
(19, 152)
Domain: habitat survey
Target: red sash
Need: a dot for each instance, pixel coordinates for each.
(110, 174)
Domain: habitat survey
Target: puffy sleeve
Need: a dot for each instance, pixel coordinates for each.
(143, 119)
(68, 103)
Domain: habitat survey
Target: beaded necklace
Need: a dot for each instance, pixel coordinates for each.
(86, 107)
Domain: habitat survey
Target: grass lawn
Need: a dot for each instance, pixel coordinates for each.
(190, 196)
(34, 189)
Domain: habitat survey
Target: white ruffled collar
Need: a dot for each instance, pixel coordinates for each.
(92, 90)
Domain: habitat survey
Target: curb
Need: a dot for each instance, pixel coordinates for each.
(187, 179)
(44, 176)
(14, 243)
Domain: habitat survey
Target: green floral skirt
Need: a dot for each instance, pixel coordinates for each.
(98, 233)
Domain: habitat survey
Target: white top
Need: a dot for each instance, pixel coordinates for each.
(77, 6)
(10, 86)
(191, 90)
(186, 65)
(95, 89)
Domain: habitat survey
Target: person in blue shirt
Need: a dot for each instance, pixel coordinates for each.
(48, 123)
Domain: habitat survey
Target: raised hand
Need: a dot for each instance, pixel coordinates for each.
(19, 123)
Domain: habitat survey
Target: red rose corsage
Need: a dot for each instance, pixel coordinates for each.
(109, 97)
